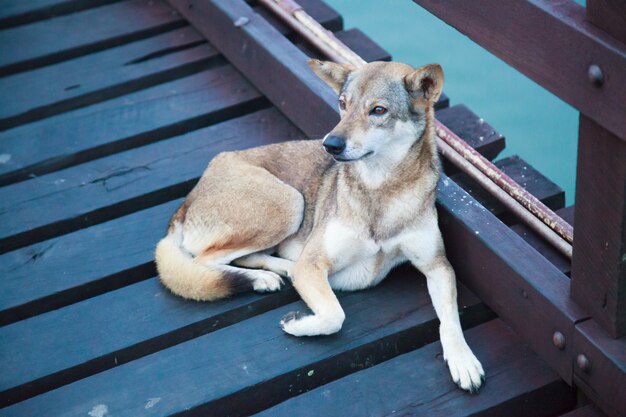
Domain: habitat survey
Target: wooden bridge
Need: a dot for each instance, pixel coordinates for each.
(111, 109)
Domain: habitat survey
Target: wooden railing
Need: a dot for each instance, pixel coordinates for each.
(579, 54)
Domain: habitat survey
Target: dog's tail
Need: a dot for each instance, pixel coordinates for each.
(189, 279)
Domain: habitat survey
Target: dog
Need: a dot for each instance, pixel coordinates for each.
(331, 214)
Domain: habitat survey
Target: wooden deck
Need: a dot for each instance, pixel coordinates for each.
(110, 111)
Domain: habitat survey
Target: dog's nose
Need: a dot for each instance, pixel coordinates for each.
(334, 145)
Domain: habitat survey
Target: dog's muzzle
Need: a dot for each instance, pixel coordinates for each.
(334, 145)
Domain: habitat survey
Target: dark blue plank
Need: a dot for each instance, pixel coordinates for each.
(99, 76)
(251, 365)
(78, 265)
(100, 333)
(49, 41)
(146, 117)
(129, 181)
(418, 384)
(19, 12)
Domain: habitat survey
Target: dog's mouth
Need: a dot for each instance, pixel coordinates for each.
(339, 159)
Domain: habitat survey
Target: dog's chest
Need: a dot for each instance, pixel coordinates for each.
(348, 243)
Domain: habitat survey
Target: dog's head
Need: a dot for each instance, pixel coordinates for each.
(384, 107)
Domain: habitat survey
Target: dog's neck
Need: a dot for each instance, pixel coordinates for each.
(381, 172)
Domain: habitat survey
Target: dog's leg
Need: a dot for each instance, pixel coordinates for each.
(277, 265)
(425, 250)
(311, 281)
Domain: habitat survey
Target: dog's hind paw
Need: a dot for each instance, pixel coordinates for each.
(266, 281)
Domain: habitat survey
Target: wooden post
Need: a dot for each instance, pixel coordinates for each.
(599, 264)
(598, 278)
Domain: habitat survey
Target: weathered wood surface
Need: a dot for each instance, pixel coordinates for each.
(556, 258)
(100, 76)
(586, 411)
(290, 82)
(67, 141)
(32, 45)
(599, 264)
(417, 383)
(112, 254)
(472, 129)
(84, 320)
(252, 373)
(20, 12)
(104, 332)
(524, 174)
(109, 73)
(531, 35)
(610, 15)
(605, 379)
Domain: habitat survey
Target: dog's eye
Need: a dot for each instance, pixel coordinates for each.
(378, 110)
(342, 104)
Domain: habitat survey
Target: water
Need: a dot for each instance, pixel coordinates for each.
(538, 126)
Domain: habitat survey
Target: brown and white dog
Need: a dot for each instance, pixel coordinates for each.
(340, 219)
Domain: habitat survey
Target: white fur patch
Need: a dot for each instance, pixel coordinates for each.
(290, 249)
(363, 274)
(420, 245)
(344, 246)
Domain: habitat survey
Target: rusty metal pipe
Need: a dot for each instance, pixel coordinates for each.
(509, 202)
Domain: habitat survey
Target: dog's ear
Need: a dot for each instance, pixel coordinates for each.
(425, 83)
(335, 75)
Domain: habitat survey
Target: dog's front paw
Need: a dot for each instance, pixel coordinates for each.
(297, 324)
(466, 370)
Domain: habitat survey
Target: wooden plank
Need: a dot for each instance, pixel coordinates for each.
(605, 379)
(251, 365)
(599, 263)
(503, 29)
(106, 188)
(85, 134)
(31, 46)
(472, 129)
(121, 70)
(418, 384)
(608, 15)
(273, 64)
(587, 411)
(556, 258)
(524, 174)
(100, 333)
(104, 75)
(20, 12)
(46, 276)
(62, 142)
(510, 276)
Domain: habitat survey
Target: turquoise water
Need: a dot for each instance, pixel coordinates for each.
(538, 126)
